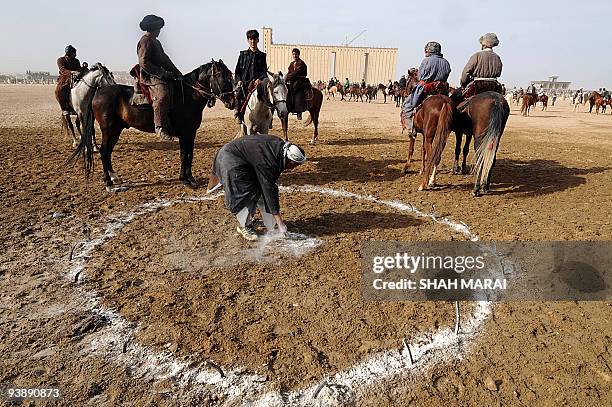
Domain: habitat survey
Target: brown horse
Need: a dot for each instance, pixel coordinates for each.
(434, 120)
(529, 100)
(314, 101)
(114, 112)
(544, 100)
(595, 99)
(484, 118)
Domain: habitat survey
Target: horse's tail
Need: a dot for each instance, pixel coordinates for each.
(439, 142)
(485, 153)
(85, 147)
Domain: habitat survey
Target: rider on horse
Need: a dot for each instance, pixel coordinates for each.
(347, 84)
(363, 84)
(433, 73)
(482, 69)
(157, 71)
(251, 67)
(297, 84)
(531, 89)
(402, 81)
(70, 69)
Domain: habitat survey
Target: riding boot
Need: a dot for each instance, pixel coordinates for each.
(163, 134)
(410, 126)
(299, 116)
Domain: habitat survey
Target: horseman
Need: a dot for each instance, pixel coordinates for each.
(297, 84)
(70, 69)
(531, 90)
(363, 84)
(157, 73)
(605, 94)
(251, 69)
(482, 69)
(331, 83)
(248, 169)
(389, 87)
(433, 73)
(347, 84)
(541, 91)
(402, 81)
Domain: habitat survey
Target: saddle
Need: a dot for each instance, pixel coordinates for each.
(142, 95)
(474, 88)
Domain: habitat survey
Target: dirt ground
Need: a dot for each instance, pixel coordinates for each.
(190, 288)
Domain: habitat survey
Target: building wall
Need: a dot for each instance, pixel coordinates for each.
(350, 62)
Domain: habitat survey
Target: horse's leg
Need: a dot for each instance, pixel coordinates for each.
(428, 136)
(466, 150)
(110, 136)
(69, 126)
(411, 141)
(186, 143)
(458, 140)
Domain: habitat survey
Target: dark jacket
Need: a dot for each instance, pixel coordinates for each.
(251, 65)
(296, 75)
(248, 168)
(155, 65)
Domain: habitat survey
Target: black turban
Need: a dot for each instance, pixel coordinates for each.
(151, 23)
(70, 49)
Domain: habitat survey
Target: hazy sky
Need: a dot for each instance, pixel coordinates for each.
(538, 38)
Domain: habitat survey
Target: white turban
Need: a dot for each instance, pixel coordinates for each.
(294, 153)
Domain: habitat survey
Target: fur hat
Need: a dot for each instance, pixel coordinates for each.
(433, 47)
(151, 23)
(489, 40)
(69, 49)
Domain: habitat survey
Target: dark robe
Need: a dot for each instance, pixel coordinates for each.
(66, 66)
(248, 169)
(251, 65)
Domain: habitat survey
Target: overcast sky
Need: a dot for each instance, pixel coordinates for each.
(539, 38)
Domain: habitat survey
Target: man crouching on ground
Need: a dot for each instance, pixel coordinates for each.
(248, 169)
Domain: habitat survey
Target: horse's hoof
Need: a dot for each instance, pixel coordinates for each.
(476, 193)
(115, 189)
(456, 171)
(421, 188)
(190, 183)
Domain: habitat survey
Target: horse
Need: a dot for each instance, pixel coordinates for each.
(114, 112)
(529, 99)
(544, 100)
(577, 101)
(81, 93)
(381, 88)
(594, 99)
(314, 101)
(268, 96)
(484, 118)
(434, 120)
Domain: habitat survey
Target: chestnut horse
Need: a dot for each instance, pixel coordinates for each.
(314, 101)
(113, 111)
(529, 99)
(594, 99)
(484, 118)
(434, 120)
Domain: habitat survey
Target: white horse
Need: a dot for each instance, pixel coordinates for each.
(82, 93)
(270, 95)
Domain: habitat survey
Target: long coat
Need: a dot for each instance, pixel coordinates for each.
(248, 169)
(251, 65)
(155, 65)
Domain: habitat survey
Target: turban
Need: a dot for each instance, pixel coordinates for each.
(151, 23)
(70, 49)
(433, 47)
(294, 153)
(489, 40)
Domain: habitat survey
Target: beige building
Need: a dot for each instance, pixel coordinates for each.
(375, 65)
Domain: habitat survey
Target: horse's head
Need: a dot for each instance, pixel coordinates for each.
(277, 93)
(217, 78)
(99, 76)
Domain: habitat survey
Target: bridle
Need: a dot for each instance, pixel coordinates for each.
(272, 103)
(210, 93)
(93, 85)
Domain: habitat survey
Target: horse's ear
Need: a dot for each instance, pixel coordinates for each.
(270, 74)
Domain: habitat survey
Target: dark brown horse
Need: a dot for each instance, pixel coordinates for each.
(529, 100)
(484, 118)
(314, 101)
(113, 111)
(434, 120)
(544, 100)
